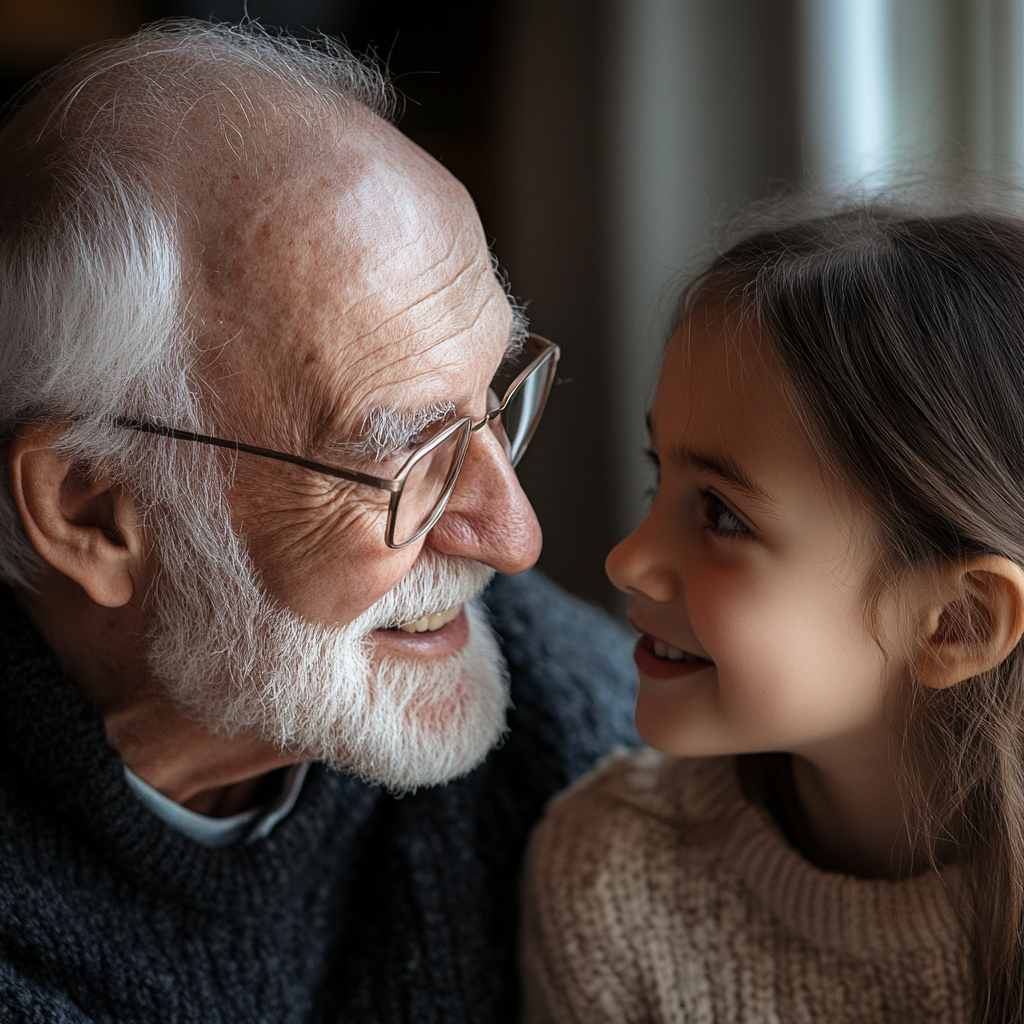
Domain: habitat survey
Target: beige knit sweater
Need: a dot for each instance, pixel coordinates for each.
(656, 892)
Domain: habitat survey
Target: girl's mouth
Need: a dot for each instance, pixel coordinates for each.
(660, 660)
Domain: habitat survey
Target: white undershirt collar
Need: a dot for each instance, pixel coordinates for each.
(250, 826)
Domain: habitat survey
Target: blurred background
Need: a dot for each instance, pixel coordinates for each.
(603, 140)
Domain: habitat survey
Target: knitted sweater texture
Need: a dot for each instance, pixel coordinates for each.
(358, 907)
(655, 892)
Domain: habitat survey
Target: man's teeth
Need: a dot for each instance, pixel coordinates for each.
(670, 653)
(428, 623)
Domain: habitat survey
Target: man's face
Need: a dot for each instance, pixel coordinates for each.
(359, 292)
(362, 284)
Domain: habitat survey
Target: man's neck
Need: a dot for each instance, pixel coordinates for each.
(103, 650)
(213, 775)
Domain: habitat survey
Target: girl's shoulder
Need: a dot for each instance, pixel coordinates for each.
(630, 851)
(643, 822)
(638, 807)
(653, 878)
(653, 790)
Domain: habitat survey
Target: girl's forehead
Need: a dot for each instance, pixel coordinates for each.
(723, 371)
(723, 392)
(723, 413)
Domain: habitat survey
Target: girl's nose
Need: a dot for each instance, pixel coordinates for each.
(637, 566)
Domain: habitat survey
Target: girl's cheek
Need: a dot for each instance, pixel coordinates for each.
(718, 603)
(753, 632)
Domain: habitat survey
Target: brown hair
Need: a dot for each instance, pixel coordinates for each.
(902, 334)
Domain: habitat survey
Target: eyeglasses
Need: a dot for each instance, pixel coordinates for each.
(420, 491)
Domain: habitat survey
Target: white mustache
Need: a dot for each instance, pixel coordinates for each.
(434, 584)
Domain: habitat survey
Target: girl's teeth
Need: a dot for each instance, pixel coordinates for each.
(429, 623)
(670, 653)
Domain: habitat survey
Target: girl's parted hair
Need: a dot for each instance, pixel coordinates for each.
(902, 335)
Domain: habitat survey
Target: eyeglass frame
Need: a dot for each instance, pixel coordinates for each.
(394, 485)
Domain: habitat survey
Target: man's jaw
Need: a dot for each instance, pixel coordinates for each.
(436, 634)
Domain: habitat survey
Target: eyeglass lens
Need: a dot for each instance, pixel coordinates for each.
(518, 417)
(432, 477)
(427, 486)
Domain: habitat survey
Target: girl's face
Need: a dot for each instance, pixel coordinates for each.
(748, 576)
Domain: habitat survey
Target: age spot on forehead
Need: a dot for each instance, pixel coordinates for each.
(390, 302)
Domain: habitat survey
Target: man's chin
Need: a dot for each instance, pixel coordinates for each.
(444, 642)
(441, 698)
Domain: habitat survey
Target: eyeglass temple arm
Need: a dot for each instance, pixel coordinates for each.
(381, 483)
(250, 449)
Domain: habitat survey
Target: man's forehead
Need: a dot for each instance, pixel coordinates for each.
(450, 371)
(432, 334)
(374, 288)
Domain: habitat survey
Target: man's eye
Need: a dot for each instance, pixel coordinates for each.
(720, 519)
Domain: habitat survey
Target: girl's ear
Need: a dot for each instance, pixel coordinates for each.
(88, 530)
(974, 619)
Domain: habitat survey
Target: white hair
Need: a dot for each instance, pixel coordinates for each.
(237, 661)
(94, 320)
(95, 327)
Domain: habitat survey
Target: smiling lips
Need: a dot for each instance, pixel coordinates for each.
(430, 623)
(670, 653)
(436, 635)
(660, 660)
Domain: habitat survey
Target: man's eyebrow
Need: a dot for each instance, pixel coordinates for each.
(518, 332)
(719, 464)
(386, 430)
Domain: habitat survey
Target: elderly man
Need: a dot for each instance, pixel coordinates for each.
(261, 396)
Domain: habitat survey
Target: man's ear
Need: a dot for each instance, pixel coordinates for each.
(89, 530)
(974, 619)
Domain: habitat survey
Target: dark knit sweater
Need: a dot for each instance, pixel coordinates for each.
(358, 907)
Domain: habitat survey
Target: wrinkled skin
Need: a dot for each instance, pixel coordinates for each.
(358, 278)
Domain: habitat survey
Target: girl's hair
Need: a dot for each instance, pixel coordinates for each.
(902, 335)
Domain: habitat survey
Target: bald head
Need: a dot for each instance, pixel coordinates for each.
(177, 97)
(367, 255)
(181, 197)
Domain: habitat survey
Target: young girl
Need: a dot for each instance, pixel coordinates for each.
(830, 598)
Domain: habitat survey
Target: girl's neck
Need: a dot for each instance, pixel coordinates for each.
(849, 814)
(852, 821)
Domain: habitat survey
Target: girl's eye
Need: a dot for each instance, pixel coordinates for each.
(653, 459)
(721, 520)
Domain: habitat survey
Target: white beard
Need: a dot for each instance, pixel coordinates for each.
(234, 660)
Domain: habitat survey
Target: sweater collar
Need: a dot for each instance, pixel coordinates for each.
(827, 909)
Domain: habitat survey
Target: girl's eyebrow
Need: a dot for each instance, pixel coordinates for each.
(720, 464)
(726, 468)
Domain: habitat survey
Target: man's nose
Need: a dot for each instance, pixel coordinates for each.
(488, 517)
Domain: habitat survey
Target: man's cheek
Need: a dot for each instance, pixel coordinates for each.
(341, 589)
(329, 582)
